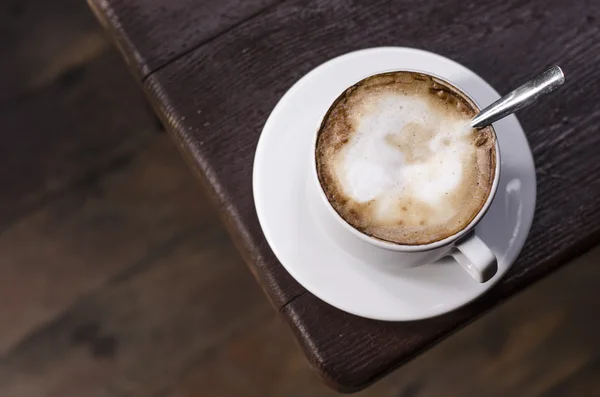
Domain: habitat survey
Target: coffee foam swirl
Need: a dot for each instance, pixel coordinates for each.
(398, 160)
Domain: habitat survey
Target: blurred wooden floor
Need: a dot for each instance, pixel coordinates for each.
(117, 279)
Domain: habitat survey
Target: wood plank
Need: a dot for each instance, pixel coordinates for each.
(244, 72)
(41, 40)
(150, 33)
(92, 119)
(136, 335)
(115, 273)
(525, 347)
(106, 226)
(541, 343)
(63, 95)
(583, 382)
(262, 362)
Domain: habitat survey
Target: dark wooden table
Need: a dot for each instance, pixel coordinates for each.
(214, 69)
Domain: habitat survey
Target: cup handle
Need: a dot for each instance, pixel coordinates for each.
(476, 258)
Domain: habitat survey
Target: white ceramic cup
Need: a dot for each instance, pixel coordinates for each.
(475, 257)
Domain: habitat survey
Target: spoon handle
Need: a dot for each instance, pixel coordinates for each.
(535, 88)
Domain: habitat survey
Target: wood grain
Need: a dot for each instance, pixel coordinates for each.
(150, 33)
(115, 274)
(541, 343)
(97, 231)
(138, 333)
(68, 133)
(216, 98)
(41, 40)
(62, 92)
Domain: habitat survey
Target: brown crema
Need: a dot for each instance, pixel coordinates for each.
(405, 217)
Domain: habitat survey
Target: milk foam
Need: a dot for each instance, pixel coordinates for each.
(369, 168)
(398, 160)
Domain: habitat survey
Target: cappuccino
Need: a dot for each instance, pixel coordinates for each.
(398, 160)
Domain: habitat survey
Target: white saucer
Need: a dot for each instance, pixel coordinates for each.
(326, 269)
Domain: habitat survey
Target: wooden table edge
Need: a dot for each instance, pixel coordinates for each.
(286, 308)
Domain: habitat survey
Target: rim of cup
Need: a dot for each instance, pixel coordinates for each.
(388, 245)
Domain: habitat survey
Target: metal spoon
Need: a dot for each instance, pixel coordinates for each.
(523, 96)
